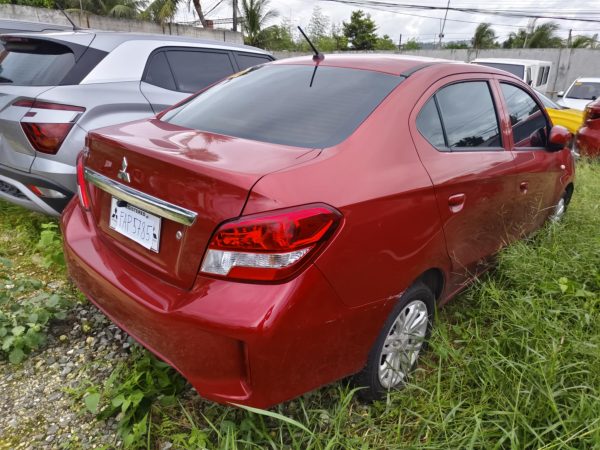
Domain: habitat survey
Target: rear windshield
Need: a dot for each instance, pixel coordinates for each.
(34, 63)
(515, 69)
(295, 105)
(584, 91)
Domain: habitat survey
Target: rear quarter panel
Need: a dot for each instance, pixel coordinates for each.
(391, 230)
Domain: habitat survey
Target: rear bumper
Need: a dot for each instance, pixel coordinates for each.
(14, 188)
(244, 343)
(588, 142)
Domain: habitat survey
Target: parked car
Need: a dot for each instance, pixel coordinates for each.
(580, 93)
(533, 72)
(274, 233)
(55, 87)
(571, 119)
(588, 138)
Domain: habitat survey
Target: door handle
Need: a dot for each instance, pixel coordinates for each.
(524, 186)
(456, 202)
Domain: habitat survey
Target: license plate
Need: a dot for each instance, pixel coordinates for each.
(136, 224)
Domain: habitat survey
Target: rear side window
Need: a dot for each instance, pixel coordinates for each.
(468, 115)
(429, 124)
(297, 105)
(195, 70)
(528, 122)
(159, 73)
(246, 60)
(35, 63)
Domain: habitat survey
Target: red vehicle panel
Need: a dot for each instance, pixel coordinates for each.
(310, 239)
(588, 137)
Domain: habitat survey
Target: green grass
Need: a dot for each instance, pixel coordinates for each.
(514, 362)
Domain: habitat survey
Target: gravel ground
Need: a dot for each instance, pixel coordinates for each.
(36, 409)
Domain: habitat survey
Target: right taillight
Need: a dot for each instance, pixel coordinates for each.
(46, 130)
(82, 192)
(269, 246)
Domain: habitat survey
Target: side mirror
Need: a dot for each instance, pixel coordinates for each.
(559, 138)
(560, 94)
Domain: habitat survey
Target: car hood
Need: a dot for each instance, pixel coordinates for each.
(573, 103)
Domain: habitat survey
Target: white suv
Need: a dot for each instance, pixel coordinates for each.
(55, 87)
(580, 93)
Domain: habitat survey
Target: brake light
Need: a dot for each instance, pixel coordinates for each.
(592, 114)
(47, 137)
(269, 246)
(84, 200)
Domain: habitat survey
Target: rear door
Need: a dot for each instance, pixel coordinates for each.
(538, 170)
(172, 74)
(457, 134)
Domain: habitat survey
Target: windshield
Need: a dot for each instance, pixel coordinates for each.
(584, 90)
(297, 105)
(36, 63)
(515, 69)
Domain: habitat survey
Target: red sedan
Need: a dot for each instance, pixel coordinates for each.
(588, 137)
(299, 222)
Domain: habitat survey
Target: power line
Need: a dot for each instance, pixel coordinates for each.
(507, 13)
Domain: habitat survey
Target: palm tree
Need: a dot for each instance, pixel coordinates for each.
(484, 37)
(585, 41)
(544, 36)
(124, 9)
(254, 16)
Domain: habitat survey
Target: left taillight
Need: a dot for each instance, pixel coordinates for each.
(46, 131)
(269, 246)
(84, 199)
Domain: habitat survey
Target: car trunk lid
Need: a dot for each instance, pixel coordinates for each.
(188, 171)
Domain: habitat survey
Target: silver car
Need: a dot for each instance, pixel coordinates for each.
(55, 87)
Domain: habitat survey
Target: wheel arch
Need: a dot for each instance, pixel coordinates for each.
(434, 279)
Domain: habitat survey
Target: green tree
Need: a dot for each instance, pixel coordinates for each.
(516, 40)
(385, 43)
(544, 36)
(277, 38)
(255, 15)
(585, 41)
(412, 44)
(360, 31)
(456, 45)
(485, 36)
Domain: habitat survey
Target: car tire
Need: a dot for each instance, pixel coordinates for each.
(561, 207)
(394, 356)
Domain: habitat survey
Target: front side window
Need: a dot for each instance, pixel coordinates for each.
(468, 115)
(528, 122)
(297, 105)
(584, 90)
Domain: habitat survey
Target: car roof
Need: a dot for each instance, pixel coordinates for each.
(108, 40)
(511, 61)
(392, 64)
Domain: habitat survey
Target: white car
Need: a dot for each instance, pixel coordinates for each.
(580, 93)
(532, 71)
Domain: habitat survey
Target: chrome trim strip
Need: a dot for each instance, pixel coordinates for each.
(144, 201)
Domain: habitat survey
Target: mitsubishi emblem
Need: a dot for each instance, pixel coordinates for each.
(123, 175)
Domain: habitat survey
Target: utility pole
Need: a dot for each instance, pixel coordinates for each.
(235, 17)
(443, 25)
(400, 42)
(569, 41)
